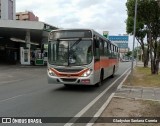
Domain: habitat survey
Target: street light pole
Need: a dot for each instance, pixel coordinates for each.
(135, 16)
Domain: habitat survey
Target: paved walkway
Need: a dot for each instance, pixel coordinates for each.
(139, 93)
(141, 64)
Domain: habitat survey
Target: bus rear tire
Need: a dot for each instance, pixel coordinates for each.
(113, 74)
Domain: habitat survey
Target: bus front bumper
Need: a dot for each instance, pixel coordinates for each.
(73, 81)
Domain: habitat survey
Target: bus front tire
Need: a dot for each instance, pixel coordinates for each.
(100, 80)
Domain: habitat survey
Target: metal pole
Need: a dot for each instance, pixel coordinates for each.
(135, 16)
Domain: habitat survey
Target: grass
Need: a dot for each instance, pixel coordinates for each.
(142, 77)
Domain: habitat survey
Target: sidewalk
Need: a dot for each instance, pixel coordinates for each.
(133, 101)
(141, 64)
(145, 93)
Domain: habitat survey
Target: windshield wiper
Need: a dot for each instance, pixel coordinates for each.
(69, 49)
(76, 42)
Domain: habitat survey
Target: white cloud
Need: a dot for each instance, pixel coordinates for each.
(100, 15)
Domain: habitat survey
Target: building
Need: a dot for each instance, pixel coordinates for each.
(7, 9)
(19, 39)
(26, 16)
(122, 42)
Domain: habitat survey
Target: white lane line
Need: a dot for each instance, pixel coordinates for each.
(99, 112)
(11, 98)
(95, 100)
(12, 81)
(120, 85)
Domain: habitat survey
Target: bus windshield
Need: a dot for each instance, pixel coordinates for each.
(70, 52)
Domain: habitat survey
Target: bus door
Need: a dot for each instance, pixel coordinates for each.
(96, 58)
(101, 53)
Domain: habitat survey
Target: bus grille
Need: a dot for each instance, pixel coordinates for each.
(68, 79)
(68, 70)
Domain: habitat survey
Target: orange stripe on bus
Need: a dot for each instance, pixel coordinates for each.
(66, 74)
(104, 63)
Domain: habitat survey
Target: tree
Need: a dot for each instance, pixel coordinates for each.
(149, 13)
(140, 29)
(148, 23)
(136, 50)
(128, 54)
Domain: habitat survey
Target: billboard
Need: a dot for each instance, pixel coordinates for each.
(122, 45)
(119, 38)
(121, 41)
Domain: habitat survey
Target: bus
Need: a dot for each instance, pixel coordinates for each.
(80, 57)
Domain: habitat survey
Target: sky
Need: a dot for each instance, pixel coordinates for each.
(100, 15)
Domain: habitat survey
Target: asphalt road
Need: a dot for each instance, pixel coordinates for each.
(24, 92)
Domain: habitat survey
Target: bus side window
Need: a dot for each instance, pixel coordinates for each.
(101, 47)
(111, 50)
(108, 49)
(105, 48)
(96, 49)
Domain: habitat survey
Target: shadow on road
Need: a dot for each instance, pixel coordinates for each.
(76, 88)
(85, 88)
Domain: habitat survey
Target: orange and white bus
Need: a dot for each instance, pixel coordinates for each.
(80, 57)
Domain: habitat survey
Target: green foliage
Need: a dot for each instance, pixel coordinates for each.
(130, 7)
(147, 23)
(148, 17)
(128, 54)
(140, 25)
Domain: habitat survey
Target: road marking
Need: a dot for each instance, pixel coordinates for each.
(20, 95)
(12, 81)
(11, 98)
(120, 85)
(99, 112)
(95, 100)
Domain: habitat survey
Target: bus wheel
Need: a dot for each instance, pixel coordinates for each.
(113, 72)
(100, 80)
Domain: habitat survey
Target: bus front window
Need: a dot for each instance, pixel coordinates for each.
(70, 52)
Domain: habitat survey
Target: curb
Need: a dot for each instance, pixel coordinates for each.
(136, 98)
(104, 106)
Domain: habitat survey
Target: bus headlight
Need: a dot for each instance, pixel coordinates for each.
(87, 73)
(50, 72)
